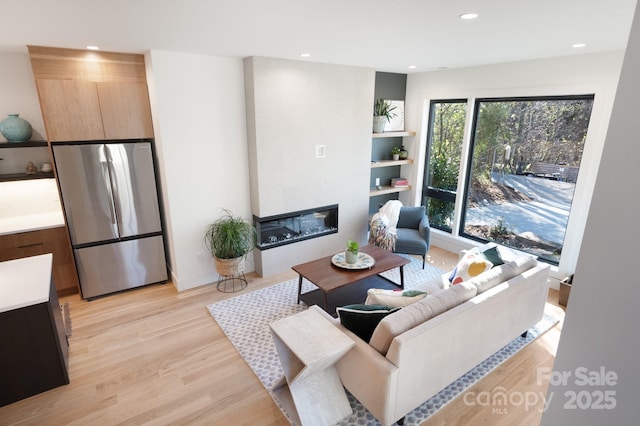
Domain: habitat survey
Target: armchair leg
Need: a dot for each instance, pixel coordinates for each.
(424, 258)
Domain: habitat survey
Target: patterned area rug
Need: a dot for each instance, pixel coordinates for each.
(245, 321)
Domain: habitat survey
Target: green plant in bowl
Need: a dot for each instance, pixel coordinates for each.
(351, 254)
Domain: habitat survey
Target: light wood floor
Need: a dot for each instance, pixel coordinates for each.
(156, 356)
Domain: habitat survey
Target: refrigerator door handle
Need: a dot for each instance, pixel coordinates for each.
(107, 181)
(115, 197)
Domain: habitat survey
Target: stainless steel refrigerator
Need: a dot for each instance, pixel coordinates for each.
(110, 201)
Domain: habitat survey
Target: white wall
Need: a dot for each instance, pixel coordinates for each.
(600, 328)
(199, 124)
(582, 74)
(293, 106)
(18, 95)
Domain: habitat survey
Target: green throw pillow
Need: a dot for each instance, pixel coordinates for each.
(363, 319)
(493, 256)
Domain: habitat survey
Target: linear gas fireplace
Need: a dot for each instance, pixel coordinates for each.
(287, 228)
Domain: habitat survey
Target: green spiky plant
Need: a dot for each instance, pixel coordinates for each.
(383, 108)
(230, 237)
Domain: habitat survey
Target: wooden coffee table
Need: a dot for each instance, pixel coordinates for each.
(347, 286)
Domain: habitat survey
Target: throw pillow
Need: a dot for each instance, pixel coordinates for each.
(493, 255)
(472, 264)
(363, 319)
(393, 298)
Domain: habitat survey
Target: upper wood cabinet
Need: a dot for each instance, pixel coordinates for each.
(126, 113)
(91, 96)
(71, 110)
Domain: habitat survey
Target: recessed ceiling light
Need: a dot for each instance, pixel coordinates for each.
(577, 45)
(93, 48)
(468, 16)
(412, 67)
(305, 55)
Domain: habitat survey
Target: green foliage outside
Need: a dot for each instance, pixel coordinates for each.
(538, 131)
(500, 230)
(445, 151)
(548, 131)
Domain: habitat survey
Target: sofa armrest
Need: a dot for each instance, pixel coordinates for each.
(368, 375)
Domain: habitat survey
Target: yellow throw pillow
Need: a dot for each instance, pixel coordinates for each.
(472, 264)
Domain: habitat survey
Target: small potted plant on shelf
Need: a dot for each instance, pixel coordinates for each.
(382, 114)
(351, 254)
(395, 152)
(229, 239)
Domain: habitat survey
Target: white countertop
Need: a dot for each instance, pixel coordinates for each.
(32, 222)
(25, 282)
(29, 205)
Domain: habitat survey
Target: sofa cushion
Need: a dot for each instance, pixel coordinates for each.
(472, 264)
(393, 298)
(419, 312)
(363, 319)
(508, 270)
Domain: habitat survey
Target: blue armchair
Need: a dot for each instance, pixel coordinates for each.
(414, 232)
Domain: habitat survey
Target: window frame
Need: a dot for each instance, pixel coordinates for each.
(439, 193)
(470, 150)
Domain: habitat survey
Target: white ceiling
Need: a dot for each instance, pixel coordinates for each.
(383, 35)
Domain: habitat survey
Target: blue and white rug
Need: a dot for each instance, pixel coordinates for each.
(245, 321)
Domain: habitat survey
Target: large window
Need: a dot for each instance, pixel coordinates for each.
(524, 159)
(446, 134)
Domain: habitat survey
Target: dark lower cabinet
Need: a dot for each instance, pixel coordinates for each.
(34, 354)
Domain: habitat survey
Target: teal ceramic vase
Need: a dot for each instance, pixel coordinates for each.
(15, 129)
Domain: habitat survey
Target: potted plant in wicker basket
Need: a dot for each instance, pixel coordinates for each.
(229, 239)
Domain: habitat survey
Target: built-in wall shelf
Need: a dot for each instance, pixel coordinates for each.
(388, 190)
(23, 176)
(390, 163)
(393, 134)
(6, 177)
(28, 144)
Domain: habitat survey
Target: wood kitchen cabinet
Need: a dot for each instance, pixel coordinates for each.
(51, 240)
(126, 113)
(75, 110)
(88, 96)
(71, 110)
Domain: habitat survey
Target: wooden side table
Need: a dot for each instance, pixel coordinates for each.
(309, 346)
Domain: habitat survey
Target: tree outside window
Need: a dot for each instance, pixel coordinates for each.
(524, 160)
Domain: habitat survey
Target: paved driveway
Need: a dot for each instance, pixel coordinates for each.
(545, 216)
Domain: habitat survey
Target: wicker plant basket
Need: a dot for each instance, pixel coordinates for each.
(230, 267)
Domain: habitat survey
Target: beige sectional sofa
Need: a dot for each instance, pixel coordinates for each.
(418, 350)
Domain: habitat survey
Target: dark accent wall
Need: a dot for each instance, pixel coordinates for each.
(388, 86)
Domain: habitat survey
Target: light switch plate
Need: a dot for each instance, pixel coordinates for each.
(320, 151)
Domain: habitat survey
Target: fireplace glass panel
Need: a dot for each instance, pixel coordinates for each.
(287, 228)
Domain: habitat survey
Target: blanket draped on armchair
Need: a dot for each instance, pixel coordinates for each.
(382, 229)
